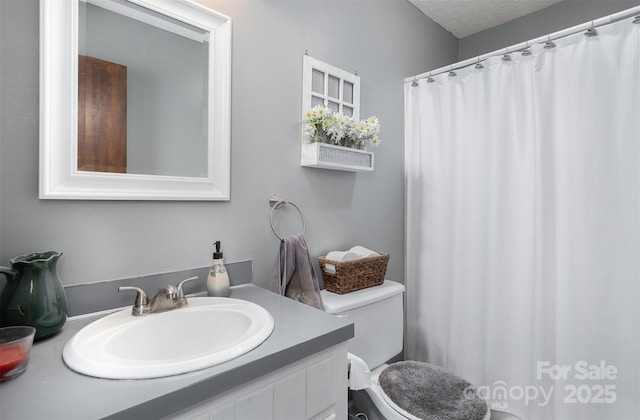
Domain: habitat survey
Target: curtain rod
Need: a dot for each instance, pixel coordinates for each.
(545, 38)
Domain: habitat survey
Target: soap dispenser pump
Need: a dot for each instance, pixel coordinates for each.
(218, 279)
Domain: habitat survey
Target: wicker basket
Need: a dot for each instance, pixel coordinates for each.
(355, 274)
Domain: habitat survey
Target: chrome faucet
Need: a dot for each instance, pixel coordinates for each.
(167, 298)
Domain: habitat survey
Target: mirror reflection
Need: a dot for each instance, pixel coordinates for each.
(142, 92)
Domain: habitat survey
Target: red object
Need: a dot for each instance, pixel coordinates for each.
(10, 357)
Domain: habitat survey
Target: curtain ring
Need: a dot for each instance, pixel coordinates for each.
(591, 31)
(549, 44)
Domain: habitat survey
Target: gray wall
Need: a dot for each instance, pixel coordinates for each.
(563, 15)
(384, 40)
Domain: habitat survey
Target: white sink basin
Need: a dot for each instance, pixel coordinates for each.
(207, 332)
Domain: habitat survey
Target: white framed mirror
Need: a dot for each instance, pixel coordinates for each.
(149, 82)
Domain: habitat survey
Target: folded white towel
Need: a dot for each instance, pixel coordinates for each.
(359, 373)
(339, 256)
(342, 256)
(363, 252)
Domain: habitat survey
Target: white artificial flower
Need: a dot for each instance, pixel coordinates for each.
(341, 129)
(373, 122)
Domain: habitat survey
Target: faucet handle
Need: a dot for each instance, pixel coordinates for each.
(179, 286)
(141, 304)
(181, 300)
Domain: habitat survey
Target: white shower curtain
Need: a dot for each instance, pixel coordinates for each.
(523, 226)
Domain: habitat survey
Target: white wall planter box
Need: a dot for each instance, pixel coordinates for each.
(327, 156)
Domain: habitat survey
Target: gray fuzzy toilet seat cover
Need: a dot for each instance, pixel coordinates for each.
(431, 393)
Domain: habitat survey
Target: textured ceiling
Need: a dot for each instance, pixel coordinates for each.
(467, 17)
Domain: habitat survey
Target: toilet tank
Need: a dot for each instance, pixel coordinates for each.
(377, 314)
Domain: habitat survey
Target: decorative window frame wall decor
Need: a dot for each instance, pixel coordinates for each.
(338, 90)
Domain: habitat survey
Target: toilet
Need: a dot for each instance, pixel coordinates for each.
(377, 314)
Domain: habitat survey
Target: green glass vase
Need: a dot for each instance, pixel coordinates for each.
(33, 294)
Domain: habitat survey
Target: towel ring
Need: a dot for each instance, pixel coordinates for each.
(276, 202)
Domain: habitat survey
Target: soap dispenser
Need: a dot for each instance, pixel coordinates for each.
(218, 280)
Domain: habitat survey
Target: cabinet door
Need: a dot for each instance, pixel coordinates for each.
(226, 412)
(257, 405)
(102, 115)
(321, 386)
(289, 397)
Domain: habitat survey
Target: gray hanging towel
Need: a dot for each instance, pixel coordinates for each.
(293, 274)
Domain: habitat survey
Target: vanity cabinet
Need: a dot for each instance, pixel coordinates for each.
(314, 388)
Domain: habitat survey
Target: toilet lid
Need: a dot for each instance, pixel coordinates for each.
(429, 392)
